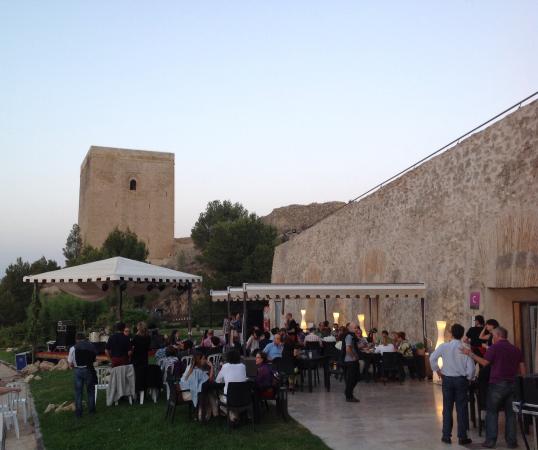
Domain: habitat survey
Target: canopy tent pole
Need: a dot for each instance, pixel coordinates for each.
(423, 317)
(119, 299)
(370, 312)
(35, 309)
(244, 329)
(325, 308)
(230, 339)
(189, 306)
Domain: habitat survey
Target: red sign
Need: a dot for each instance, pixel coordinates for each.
(474, 301)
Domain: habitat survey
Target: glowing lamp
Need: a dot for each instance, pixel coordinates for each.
(336, 316)
(303, 321)
(361, 324)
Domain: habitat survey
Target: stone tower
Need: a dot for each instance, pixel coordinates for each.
(128, 189)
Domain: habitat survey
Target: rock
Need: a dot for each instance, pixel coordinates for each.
(37, 378)
(50, 407)
(31, 368)
(59, 407)
(69, 407)
(46, 366)
(62, 365)
(28, 378)
(9, 350)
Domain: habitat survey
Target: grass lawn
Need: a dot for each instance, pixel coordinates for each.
(8, 357)
(143, 427)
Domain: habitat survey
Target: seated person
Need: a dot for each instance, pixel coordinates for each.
(404, 348)
(264, 376)
(385, 345)
(184, 348)
(197, 380)
(232, 371)
(274, 349)
(265, 340)
(325, 329)
(253, 342)
(207, 343)
(313, 337)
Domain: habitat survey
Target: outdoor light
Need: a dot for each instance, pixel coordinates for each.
(361, 324)
(336, 315)
(441, 325)
(303, 322)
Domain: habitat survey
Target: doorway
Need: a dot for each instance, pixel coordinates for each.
(525, 333)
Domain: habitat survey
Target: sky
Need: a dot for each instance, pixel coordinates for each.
(264, 103)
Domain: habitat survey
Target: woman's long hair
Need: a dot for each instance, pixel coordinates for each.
(142, 329)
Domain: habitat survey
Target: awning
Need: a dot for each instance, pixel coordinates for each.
(114, 269)
(255, 291)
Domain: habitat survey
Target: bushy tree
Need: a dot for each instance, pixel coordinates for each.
(237, 249)
(126, 244)
(216, 212)
(15, 295)
(73, 246)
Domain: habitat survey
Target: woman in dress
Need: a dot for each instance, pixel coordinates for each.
(141, 343)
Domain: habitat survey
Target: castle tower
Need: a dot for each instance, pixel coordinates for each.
(128, 189)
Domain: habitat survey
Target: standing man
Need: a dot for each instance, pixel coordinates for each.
(118, 348)
(351, 362)
(458, 369)
(506, 361)
(81, 358)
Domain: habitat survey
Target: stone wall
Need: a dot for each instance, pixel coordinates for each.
(106, 200)
(464, 221)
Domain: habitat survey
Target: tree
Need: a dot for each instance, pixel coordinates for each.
(240, 251)
(126, 244)
(73, 246)
(15, 295)
(215, 213)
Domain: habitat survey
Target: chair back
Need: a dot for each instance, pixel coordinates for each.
(312, 346)
(215, 359)
(239, 394)
(8, 402)
(391, 360)
(187, 360)
(285, 365)
(102, 376)
(250, 367)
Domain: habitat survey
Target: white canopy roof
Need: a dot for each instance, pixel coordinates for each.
(114, 269)
(268, 291)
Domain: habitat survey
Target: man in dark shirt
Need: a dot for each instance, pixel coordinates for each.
(118, 347)
(81, 358)
(506, 362)
(473, 334)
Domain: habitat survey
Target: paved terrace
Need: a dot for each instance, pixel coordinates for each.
(394, 416)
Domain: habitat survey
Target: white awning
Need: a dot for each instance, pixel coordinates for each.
(269, 291)
(114, 269)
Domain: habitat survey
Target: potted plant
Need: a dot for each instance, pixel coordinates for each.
(420, 349)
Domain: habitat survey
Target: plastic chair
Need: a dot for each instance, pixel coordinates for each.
(22, 399)
(216, 361)
(239, 399)
(391, 363)
(102, 379)
(8, 409)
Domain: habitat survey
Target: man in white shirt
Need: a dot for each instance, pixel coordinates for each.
(456, 372)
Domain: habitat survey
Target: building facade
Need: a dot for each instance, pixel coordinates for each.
(128, 189)
(465, 223)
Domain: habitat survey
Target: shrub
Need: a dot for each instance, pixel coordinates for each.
(13, 336)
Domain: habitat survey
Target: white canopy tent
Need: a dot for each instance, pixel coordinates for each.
(91, 281)
(270, 291)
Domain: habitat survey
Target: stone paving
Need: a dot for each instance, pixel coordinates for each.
(390, 417)
(27, 440)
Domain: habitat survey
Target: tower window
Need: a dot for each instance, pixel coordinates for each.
(132, 185)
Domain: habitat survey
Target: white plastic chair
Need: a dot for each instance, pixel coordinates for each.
(102, 379)
(8, 408)
(22, 399)
(215, 359)
(187, 359)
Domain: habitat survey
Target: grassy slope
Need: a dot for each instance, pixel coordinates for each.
(143, 427)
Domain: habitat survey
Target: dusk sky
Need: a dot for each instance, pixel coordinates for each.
(264, 103)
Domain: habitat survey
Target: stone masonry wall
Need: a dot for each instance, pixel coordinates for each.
(107, 202)
(464, 221)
